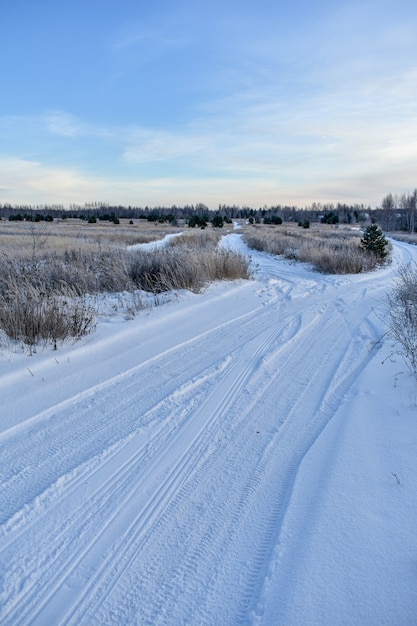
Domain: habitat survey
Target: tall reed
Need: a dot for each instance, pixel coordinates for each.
(44, 297)
(329, 252)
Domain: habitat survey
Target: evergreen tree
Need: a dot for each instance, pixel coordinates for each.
(373, 240)
(197, 220)
(217, 221)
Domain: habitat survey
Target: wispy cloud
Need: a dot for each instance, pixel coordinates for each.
(146, 146)
(63, 123)
(135, 36)
(22, 180)
(137, 44)
(28, 182)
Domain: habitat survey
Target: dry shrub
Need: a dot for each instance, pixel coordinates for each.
(206, 239)
(93, 272)
(345, 258)
(402, 315)
(46, 301)
(330, 252)
(406, 237)
(184, 268)
(33, 316)
(43, 297)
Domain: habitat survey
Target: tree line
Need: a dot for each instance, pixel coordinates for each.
(396, 213)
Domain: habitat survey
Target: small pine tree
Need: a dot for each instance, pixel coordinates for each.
(217, 221)
(196, 220)
(373, 240)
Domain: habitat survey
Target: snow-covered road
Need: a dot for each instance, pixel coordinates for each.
(236, 457)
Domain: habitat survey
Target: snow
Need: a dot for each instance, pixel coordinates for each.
(242, 456)
(157, 244)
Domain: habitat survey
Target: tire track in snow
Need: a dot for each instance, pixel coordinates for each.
(70, 559)
(344, 371)
(54, 546)
(208, 550)
(117, 482)
(44, 434)
(276, 480)
(167, 601)
(208, 414)
(263, 480)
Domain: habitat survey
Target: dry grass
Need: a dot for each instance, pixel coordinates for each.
(206, 239)
(189, 261)
(329, 249)
(406, 237)
(33, 316)
(182, 268)
(46, 281)
(19, 238)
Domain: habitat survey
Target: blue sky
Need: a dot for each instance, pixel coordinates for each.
(235, 102)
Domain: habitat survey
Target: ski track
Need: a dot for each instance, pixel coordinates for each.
(147, 498)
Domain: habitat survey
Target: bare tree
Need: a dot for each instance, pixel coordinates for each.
(408, 204)
(389, 208)
(39, 238)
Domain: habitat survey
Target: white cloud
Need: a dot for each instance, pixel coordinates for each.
(62, 123)
(31, 182)
(149, 146)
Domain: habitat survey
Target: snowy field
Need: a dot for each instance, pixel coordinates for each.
(243, 456)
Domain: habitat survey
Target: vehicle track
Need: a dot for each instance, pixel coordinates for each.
(84, 471)
(209, 547)
(172, 477)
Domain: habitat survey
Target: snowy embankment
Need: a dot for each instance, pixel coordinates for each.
(243, 456)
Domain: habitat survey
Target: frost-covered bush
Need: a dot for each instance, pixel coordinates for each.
(183, 267)
(328, 251)
(402, 315)
(33, 316)
(46, 299)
